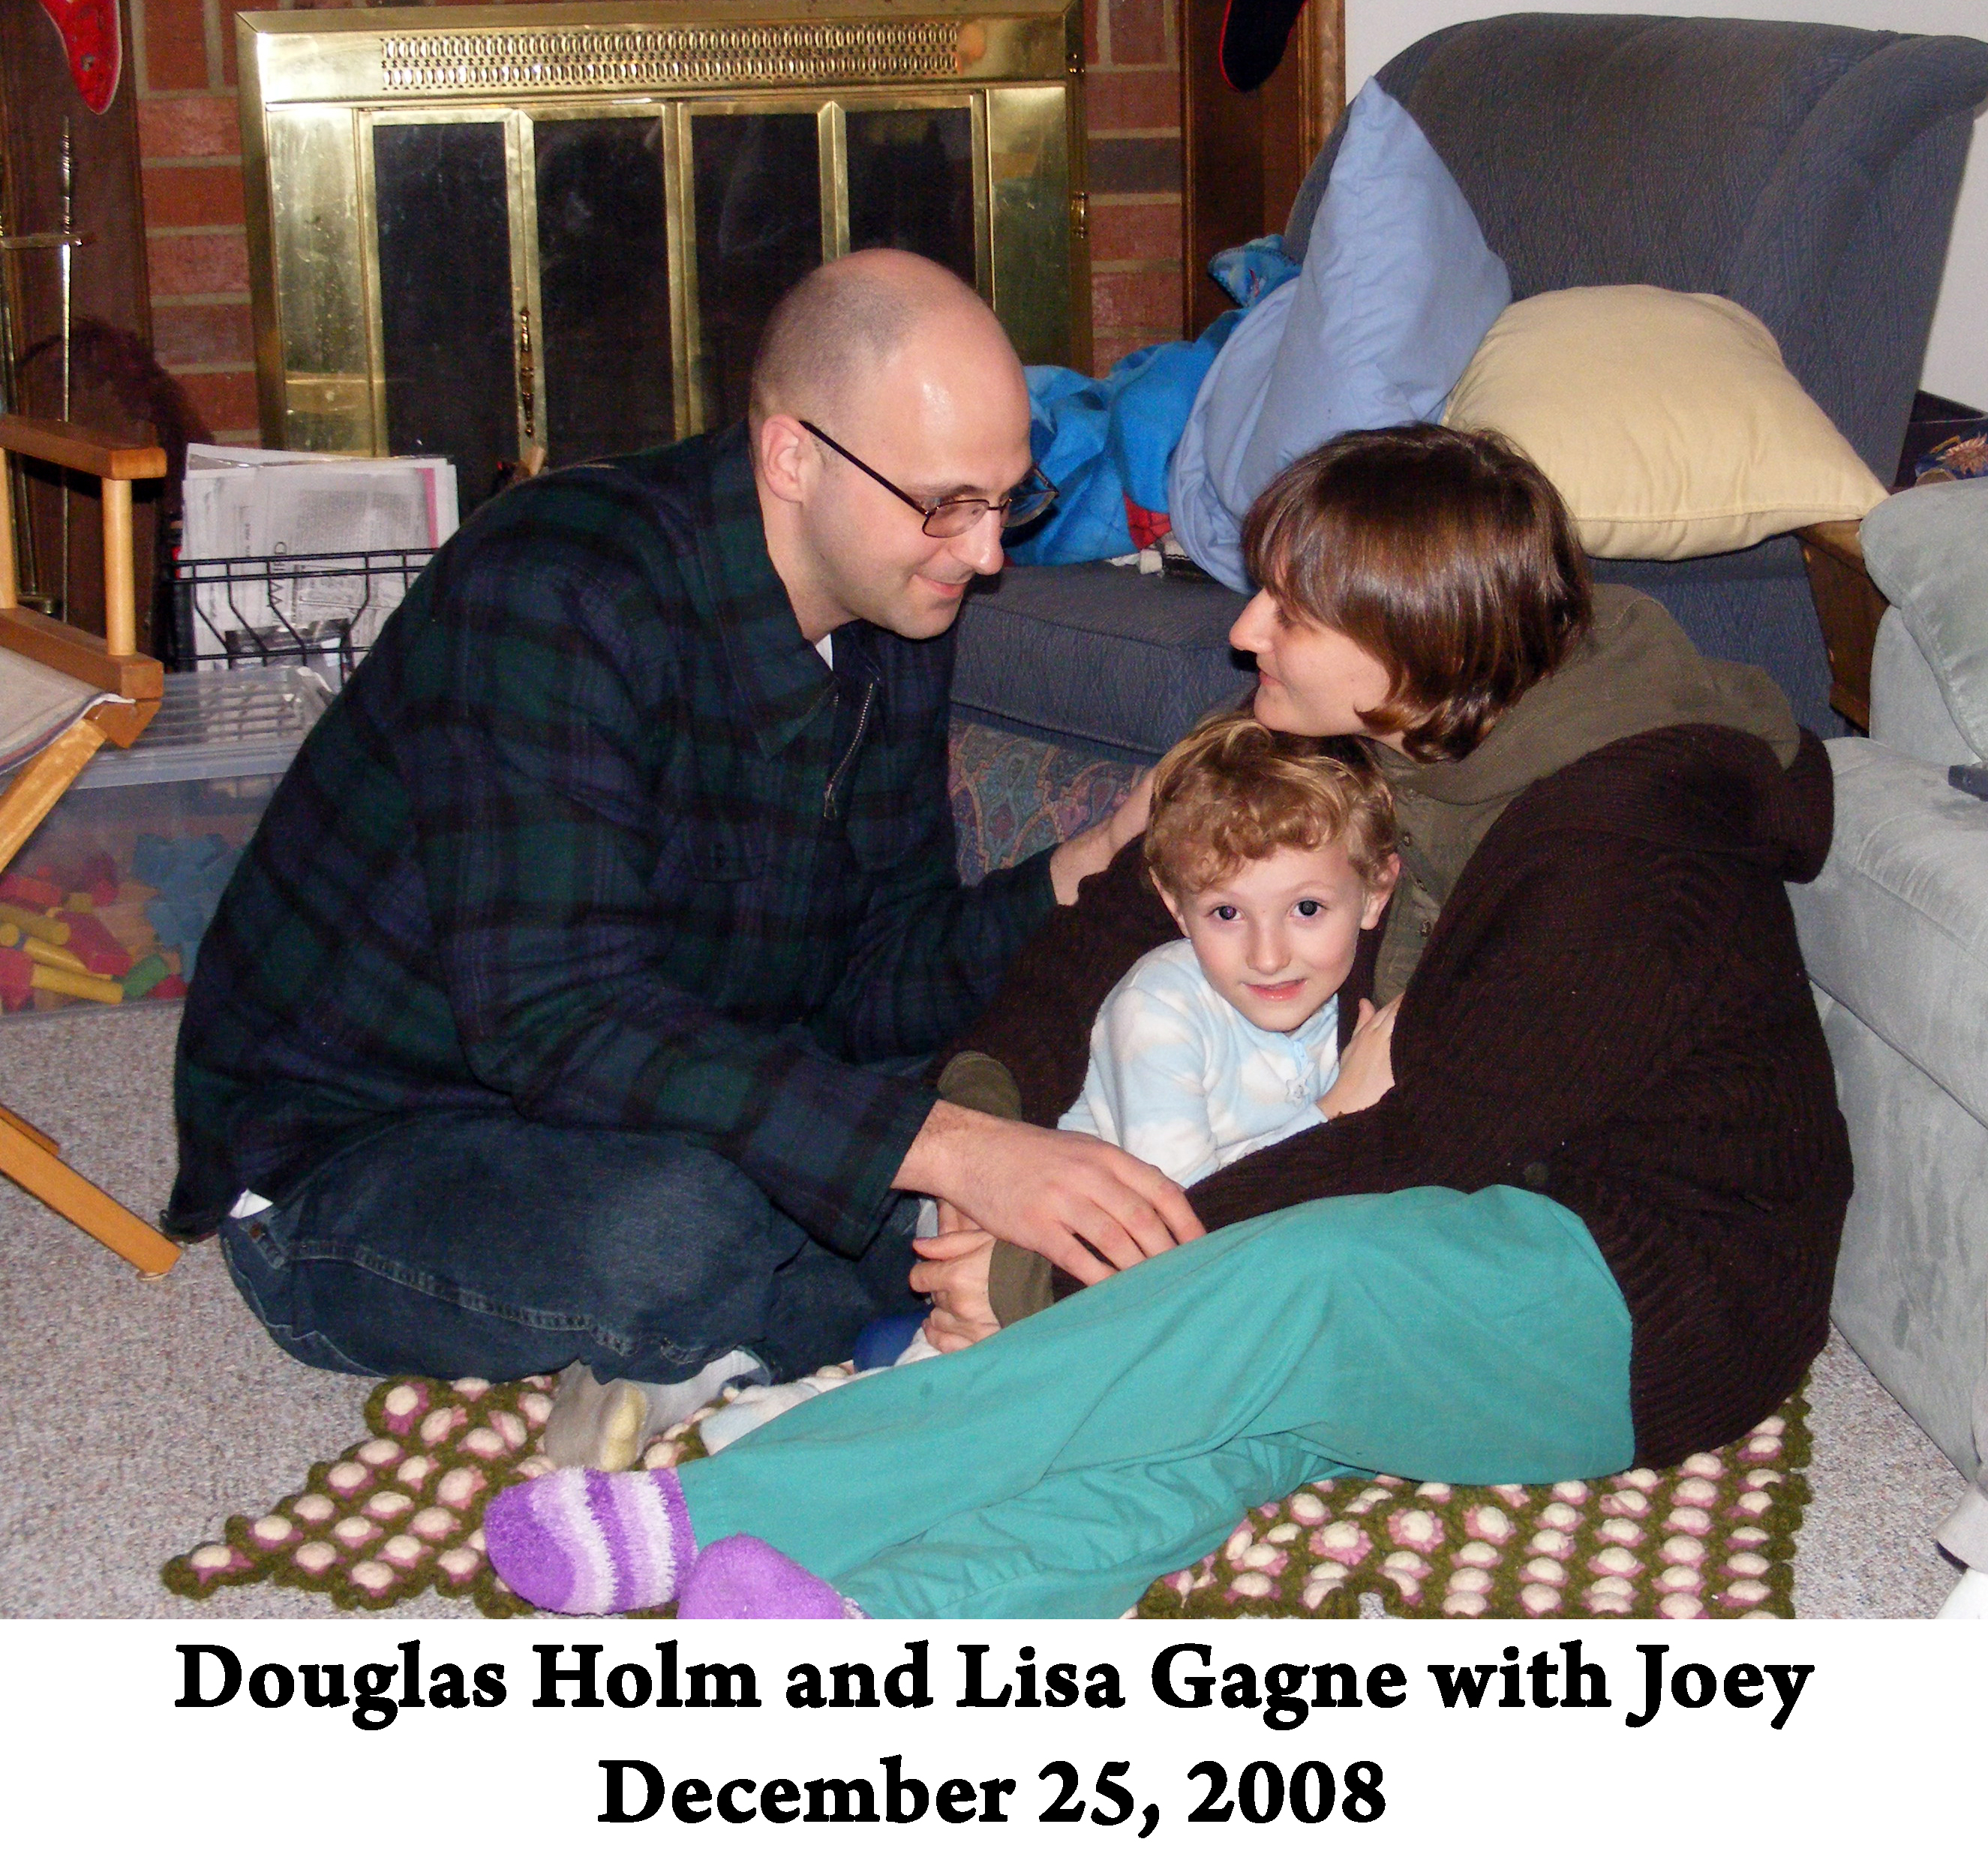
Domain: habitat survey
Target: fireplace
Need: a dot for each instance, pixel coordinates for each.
(498, 232)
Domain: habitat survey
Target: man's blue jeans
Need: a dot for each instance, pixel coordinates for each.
(484, 1243)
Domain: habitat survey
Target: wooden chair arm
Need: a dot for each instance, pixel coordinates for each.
(112, 663)
(71, 445)
(83, 654)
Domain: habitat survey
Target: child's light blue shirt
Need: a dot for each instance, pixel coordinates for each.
(1183, 1080)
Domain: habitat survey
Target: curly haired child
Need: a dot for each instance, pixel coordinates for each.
(1273, 858)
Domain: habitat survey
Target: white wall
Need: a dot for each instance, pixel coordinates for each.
(1956, 362)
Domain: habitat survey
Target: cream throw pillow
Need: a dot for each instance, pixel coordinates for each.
(1667, 421)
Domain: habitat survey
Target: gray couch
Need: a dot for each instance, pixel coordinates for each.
(1895, 931)
(1808, 172)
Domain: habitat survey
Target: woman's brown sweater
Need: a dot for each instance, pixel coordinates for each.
(1611, 1009)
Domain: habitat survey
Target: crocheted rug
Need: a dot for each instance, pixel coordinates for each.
(1714, 1537)
(401, 1511)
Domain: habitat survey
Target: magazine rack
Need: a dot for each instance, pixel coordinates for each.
(117, 693)
(271, 608)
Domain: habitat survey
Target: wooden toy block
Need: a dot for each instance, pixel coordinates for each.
(50, 930)
(98, 951)
(21, 888)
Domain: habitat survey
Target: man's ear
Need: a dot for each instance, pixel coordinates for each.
(1168, 900)
(784, 454)
(1380, 891)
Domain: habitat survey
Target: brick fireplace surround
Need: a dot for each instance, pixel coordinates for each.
(190, 144)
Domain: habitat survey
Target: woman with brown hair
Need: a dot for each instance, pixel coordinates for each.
(1593, 1220)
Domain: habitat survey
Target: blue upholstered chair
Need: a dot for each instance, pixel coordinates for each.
(1895, 932)
(1808, 172)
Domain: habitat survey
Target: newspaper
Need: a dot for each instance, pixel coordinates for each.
(265, 506)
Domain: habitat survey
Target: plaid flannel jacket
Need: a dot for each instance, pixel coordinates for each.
(594, 832)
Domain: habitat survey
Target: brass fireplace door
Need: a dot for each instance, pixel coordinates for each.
(491, 239)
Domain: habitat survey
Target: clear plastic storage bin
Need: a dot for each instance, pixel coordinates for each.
(108, 902)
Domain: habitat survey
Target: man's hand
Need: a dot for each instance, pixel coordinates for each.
(1366, 1065)
(954, 1274)
(1062, 1194)
(1096, 847)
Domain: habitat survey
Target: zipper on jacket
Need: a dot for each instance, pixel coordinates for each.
(855, 743)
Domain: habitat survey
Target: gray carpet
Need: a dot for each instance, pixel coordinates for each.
(136, 1416)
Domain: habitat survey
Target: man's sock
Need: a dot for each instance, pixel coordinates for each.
(603, 1425)
(592, 1542)
(741, 1579)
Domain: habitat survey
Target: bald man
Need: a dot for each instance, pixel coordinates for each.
(565, 1013)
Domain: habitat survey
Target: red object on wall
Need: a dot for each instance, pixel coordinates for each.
(91, 36)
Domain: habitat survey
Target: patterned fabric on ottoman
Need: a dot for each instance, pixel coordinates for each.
(1012, 797)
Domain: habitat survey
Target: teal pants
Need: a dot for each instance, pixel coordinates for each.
(1060, 1466)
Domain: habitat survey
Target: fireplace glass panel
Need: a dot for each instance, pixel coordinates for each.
(604, 286)
(757, 178)
(445, 320)
(911, 184)
(426, 192)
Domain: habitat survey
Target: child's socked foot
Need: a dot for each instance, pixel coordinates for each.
(756, 1405)
(741, 1579)
(592, 1542)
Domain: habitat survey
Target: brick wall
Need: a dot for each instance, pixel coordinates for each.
(191, 157)
(1132, 98)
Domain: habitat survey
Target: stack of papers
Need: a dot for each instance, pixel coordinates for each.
(270, 506)
(37, 705)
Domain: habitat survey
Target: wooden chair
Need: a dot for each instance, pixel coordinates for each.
(135, 684)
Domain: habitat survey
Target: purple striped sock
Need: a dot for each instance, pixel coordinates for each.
(741, 1578)
(592, 1542)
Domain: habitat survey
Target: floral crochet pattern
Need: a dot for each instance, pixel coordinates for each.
(1711, 1537)
(401, 1511)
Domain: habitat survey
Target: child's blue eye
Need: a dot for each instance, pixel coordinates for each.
(1309, 908)
(1225, 912)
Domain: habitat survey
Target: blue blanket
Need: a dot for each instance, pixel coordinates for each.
(1105, 444)
(1397, 291)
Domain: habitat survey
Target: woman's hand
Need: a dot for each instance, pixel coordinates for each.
(1366, 1064)
(954, 1274)
(1096, 847)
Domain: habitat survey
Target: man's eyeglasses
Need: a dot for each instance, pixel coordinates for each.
(1028, 498)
